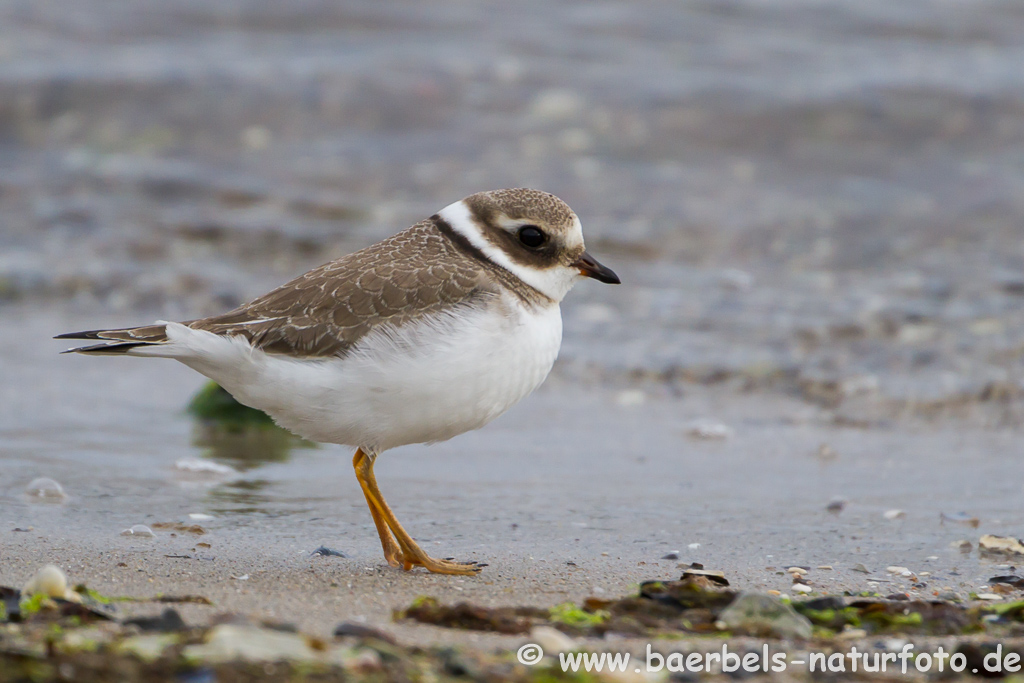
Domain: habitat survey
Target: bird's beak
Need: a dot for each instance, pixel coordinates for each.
(589, 266)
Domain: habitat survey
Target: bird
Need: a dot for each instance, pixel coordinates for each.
(427, 334)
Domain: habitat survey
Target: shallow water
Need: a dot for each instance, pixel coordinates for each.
(815, 210)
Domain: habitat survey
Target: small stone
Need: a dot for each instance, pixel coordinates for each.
(630, 398)
(148, 647)
(1006, 545)
(228, 642)
(551, 640)
(256, 137)
(709, 430)
(735, 279)
(825, 566)
(365, 661)
(894, 514)
(195, 465)
(139, 530)
(200, 516)
(693, 546)
(902, 571)
(757, 614)
(802, 588)
(851, 633)
(556, 105)
(798, 571)
(50, 581)
(674, 555)
(989, 596)
(168, 622)
(836, 505)
(861, 568)
(960, 518)
(362, 631)
(45, 490)
(826, 453)
(697, 570)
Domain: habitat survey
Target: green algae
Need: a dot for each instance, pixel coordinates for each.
(572, 615)
(214, 404)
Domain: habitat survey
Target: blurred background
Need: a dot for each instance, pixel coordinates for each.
(815, 204)
(799, 191)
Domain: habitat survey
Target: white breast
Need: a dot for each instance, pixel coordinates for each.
(425, 382)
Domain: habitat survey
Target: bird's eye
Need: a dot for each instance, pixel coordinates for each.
(531, 236)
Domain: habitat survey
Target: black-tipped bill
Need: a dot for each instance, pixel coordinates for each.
(589, 266)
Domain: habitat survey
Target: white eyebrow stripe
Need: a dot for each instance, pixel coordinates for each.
(548, 281)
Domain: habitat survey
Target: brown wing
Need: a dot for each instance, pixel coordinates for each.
(327, 310)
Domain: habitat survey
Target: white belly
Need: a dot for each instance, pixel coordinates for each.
(426, 382)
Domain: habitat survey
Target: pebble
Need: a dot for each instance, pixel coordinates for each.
(836, 505)
(735, 279)
(894, 514)
(826, 453)
(799, 571)
(556, 104)
(861, 568)
(693, 546)
(551, 640)
(140, 530)
(989, 596)
(365, 661)
(1001, 544)
(200, 516)
(674, 555)
(902, 571)
(760, 614)
(228, 642)
(148, 647)
(203, 466)
(849, 633)
(801, 588)
(960, 518)
(630, 398)
(46, 490)
(825, 566)
(709, 430)
(51, 581)
(356, 630)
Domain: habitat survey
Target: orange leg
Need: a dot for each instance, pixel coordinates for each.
(392, 553)
(399, 549)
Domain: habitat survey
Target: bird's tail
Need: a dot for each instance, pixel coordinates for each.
(119, 341)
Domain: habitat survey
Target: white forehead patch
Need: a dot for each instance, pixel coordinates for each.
(554, 282)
